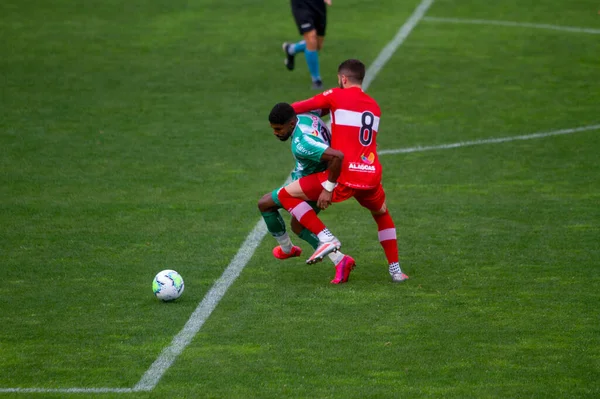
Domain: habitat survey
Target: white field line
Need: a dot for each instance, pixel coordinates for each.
(514, 24)
(489, 141)
(389, 50)
(160, 366)
(67, 390)
(203, 310)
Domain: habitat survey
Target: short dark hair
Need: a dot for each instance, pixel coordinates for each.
(353, 69)
(281, 113)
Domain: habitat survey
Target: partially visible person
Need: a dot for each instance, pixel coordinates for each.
(354, 126)
(311, 19)
(310, 148)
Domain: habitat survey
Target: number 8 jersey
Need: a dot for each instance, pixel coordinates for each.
(354, 125)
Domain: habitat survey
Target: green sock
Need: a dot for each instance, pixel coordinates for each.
(274, 222)
(309, 237)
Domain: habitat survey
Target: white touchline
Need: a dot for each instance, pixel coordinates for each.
(489, 141)
(67, 390)
(203, 310)
(513, 24)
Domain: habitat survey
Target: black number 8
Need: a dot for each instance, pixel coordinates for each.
(366, 130)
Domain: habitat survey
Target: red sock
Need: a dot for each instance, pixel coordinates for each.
(387, 236)
(302, 211)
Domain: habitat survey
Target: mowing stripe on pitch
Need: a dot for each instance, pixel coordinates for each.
(490, 141)
(513, 24)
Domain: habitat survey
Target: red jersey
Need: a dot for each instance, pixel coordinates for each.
(354, 125)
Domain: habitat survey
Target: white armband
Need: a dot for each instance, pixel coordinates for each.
(329, 186)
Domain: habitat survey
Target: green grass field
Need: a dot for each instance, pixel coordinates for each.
(134, 138)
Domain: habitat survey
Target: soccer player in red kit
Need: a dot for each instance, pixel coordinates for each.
(354, 126)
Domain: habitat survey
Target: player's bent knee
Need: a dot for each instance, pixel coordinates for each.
(381, 210)
(266, 203)
(310, 38)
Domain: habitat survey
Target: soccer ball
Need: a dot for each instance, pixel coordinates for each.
(168, 285)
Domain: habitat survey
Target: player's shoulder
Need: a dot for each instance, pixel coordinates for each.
(308, 129)
(310, 120)
(368, 101)
(335, 91)
(308, 133)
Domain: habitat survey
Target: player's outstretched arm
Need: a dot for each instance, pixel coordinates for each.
(319, 101)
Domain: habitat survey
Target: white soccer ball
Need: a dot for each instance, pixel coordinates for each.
(168, 285)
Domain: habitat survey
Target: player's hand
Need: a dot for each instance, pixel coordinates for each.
(324, 199)
(328, 2)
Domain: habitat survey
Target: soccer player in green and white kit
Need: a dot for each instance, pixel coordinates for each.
(311, 150)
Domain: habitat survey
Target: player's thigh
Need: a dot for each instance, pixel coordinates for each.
(311, 40)
(303, 16)
(293, 189)
(320, 20)
(342, 193)
(373, 199)
(311, 186)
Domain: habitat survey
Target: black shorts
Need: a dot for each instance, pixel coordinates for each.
(309, 15)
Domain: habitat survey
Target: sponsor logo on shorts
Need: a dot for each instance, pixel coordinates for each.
(359, 167)
(307, 25)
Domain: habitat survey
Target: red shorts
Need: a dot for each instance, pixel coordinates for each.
(370, 198)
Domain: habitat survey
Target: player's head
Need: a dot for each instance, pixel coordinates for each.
(351, 73)
(283, 120)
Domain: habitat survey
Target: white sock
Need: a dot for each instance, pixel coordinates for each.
(336, 257)
(285, 242)
(325, 235)
(395, 268)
